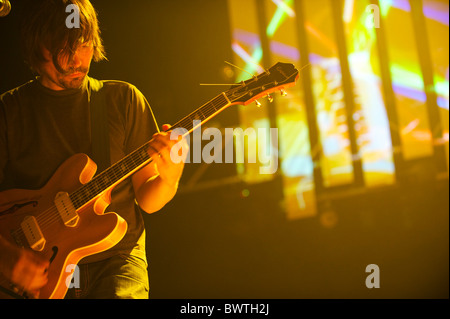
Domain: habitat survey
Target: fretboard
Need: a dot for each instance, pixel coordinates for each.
(140, 157)
(204, 112)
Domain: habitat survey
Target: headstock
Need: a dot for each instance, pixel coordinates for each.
(277, 78)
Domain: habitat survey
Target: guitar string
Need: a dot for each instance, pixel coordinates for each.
(210, 108)
(207, 111)
(51, 215)
(125, 165)
(204, 111)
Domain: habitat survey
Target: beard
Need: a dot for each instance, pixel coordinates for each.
(68, 81)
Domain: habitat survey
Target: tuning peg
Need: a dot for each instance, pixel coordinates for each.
(270, 98)
(283, 92)
(257, 103)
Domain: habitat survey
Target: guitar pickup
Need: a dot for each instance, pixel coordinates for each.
(33, 233)
(66, 209)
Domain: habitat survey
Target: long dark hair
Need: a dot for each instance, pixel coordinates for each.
(44, 25)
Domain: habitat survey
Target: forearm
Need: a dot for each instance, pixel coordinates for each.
(157, 183)
(155, 193)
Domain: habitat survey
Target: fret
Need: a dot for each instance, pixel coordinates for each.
(143, 153)
(110, 176)
(139, 157)
(202, 116)
(204, 112)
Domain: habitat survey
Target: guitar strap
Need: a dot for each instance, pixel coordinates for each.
(100, 151)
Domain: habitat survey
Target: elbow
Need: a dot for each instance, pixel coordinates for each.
(154, 195)
(151, 205)
(149, 208)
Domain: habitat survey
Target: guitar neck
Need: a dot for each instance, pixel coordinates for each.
(140, 157)
(278, 77)
(204, 113)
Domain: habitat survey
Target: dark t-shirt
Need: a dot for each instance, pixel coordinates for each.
(41, 128)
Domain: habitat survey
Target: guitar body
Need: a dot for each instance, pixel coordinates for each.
(94, 231)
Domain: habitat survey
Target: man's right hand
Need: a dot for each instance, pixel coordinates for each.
(24, 268)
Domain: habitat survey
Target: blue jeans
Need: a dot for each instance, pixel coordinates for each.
(119, 277)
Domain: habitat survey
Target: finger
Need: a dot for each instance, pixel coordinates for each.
(38, 282)
(41, 263)
(166, 127)
(160, 134)
(35, 277)
(163, 145)
(168, 141)
(154, 154)
(166, 138)
(34, 294)
(160, 156)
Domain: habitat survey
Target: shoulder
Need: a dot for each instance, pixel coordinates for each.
(120, 91)
(126, 99)
(13, 101)
(116, 86)
(9, 97)
(127, 95)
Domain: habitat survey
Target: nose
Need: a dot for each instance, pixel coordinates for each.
(76, 60)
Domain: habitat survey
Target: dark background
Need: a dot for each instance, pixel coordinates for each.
(212, 242)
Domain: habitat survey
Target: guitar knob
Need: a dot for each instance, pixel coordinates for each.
(257, 103)
(270, 98)
(283, 93)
